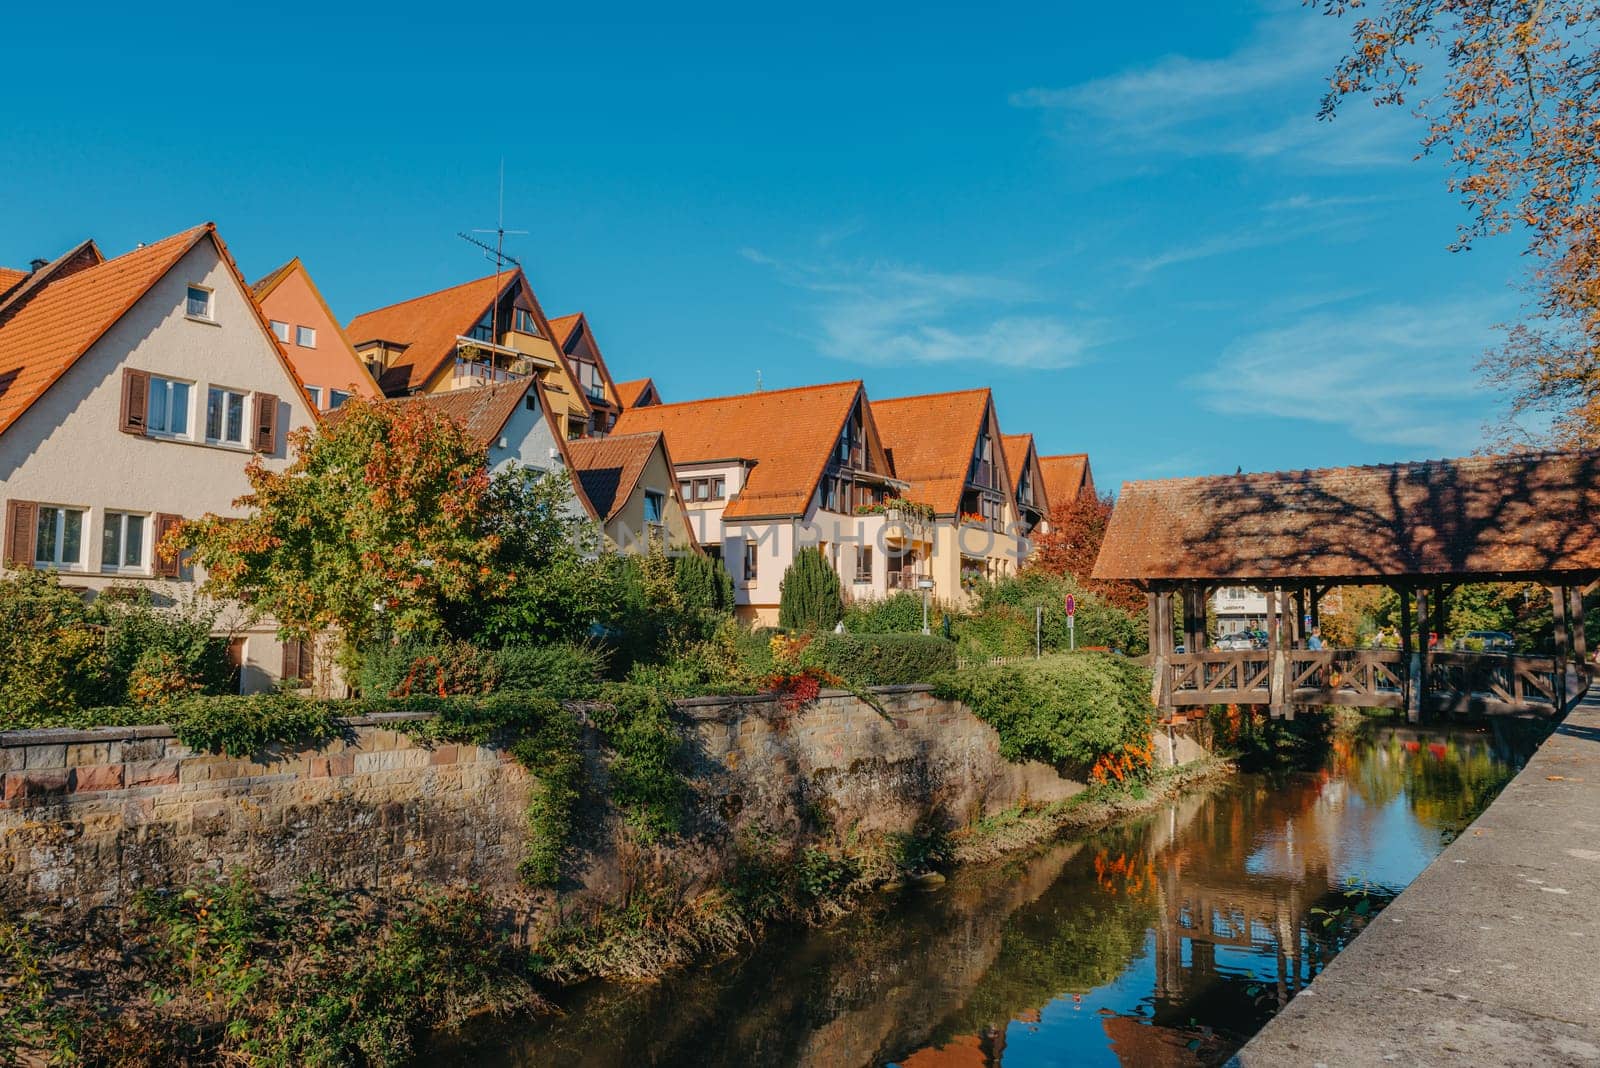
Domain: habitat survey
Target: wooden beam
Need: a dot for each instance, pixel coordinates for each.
(1418, 694)
(1580, 640)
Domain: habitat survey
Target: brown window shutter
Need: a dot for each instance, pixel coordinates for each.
(165, 568)
(135, 400)
(22, 523)
(266, 406)
(291, 660)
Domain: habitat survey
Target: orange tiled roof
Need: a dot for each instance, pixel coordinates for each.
(931, 439)
(629, 393)
(787, 433)
(263, 288)
(428, 326)
(9, 277)
(1017, 447)
(1065, 477)
(1518, 515)
(563, 325)
(608, 468)
(60, 323)
(482, 412)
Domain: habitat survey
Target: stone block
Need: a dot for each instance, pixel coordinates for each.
(88, 753)
(97, 777)
(445, 754)
(137, 750)
(45, 756)
(34, 784)
(12, 758)
(151, 773)
(209, 818)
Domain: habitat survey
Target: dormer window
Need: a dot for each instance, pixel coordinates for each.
(199, 303)
(983, 473)
(523, 322)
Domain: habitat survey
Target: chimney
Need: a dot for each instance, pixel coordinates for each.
(36, 263)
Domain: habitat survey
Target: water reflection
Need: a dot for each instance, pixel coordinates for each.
(1165, 942)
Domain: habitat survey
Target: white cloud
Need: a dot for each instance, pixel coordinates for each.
(1392, 374)
(886, 313)
(1258, 102)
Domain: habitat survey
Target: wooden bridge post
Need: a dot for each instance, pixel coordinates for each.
(1278, 678)
(1420, 662)
(1560, 604)
(1159, 604)
(1580, 640)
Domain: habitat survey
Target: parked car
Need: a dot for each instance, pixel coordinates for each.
(1489, 641)
(1235, 643)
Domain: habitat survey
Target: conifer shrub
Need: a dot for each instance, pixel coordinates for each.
(810, 597)
(703, 583)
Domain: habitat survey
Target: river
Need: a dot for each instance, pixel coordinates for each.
(1169, 940)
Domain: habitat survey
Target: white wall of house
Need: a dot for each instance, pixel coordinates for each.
(1238, 608)
(67, 449)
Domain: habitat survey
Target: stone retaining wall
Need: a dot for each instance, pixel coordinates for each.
(88, 817)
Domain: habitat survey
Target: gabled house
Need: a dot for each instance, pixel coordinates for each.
(947, 446)
(639, 393)
(133, 392)
(1067, 477)
(311, 338)
(474, 334)
(1027, 482)
(576, 339)
(629, 483)
(765, 474)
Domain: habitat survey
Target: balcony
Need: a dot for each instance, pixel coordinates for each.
(905, 580)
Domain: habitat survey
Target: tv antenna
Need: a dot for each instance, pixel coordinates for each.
(760, 386)
(497, 252)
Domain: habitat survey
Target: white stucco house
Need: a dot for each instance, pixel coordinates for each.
(133, 392)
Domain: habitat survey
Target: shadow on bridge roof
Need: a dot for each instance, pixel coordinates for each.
(1522, 517)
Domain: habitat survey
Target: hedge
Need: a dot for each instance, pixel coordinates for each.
(881, 659)
(560, 669)
(1070, 708)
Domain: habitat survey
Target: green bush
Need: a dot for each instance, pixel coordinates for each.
(810, 597)
(898, 613)
(52, 660)
(564, 670)
(1071, 708)
(703, 583)
(881, 659)
(176, 641)
(636, 722)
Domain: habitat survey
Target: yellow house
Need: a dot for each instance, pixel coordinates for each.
(947, 446)
(629, 485)
(475, 334)
(578, 345)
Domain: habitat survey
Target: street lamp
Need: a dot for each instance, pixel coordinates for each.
(925, 585)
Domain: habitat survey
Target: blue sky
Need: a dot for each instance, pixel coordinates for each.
(1127, 221)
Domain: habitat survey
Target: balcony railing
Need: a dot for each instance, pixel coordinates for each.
(904, 580)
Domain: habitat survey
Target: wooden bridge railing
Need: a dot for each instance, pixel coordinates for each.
(1450, 682)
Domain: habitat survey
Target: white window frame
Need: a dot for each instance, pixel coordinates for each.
(281, 330)
(61, 511)
(165, 384)
(244, 416)
(209, 315)
(661, 506)
(336, 399)
(300, 335)
(315, 393)
(119, 565)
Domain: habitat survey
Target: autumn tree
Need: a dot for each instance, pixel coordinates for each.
(1517, 108)
(1072, 543)
(382, 524)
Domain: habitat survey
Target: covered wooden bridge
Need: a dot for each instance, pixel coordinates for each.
(1420, 528)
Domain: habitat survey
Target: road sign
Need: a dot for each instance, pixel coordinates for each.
(1072, 605)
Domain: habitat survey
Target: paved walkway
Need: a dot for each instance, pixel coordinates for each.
(1492, 957)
